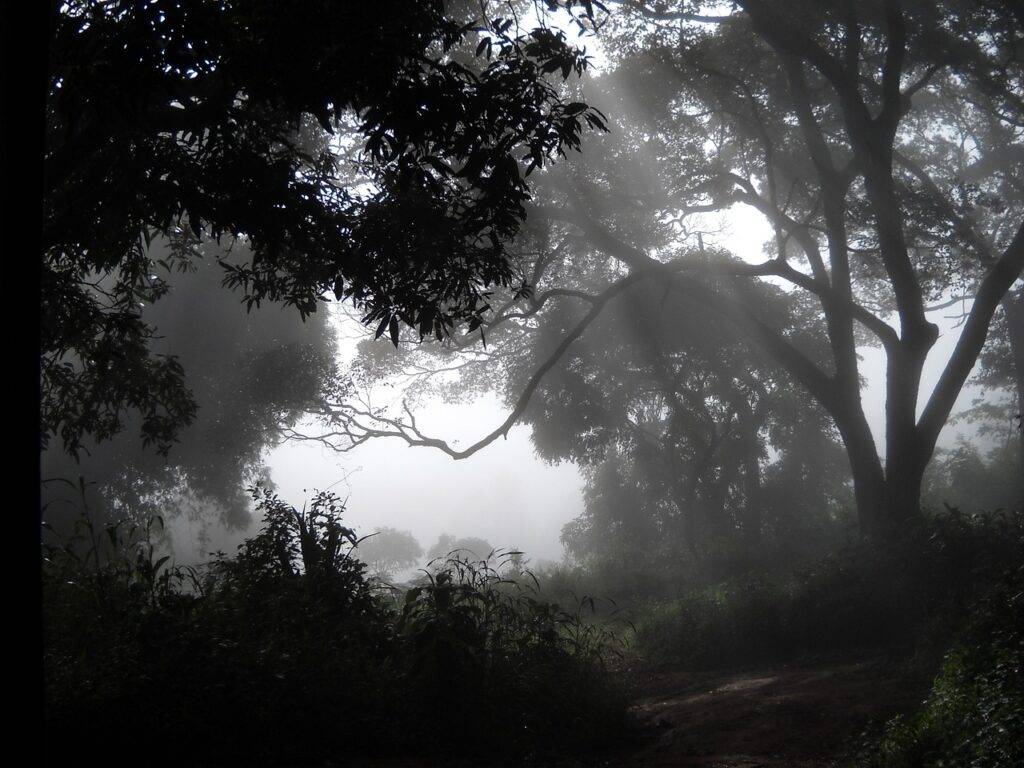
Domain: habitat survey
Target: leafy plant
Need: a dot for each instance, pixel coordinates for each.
(286, 653)
(497, 656)
(906, 596)
(974, 716)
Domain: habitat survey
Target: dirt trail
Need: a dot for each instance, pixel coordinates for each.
(798, 716)
(793, 716)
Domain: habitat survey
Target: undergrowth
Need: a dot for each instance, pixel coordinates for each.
(905, 597)
(974, 715)
(286, 654)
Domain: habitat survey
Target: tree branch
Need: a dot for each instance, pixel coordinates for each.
(991, 291)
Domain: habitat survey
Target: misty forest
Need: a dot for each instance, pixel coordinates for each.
(533, 383)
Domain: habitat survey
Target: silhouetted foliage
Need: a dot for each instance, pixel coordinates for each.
(692, 446)
(356, 148)
(285, 654)
(879, 145)
(908, 596)
(252, 375)
(740, 503)
(974, 716)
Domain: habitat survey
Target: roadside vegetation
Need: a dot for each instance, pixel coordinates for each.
(974, 715)
(905, 599)
(287, 654)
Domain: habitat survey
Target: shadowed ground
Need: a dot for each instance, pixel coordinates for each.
(798, 716)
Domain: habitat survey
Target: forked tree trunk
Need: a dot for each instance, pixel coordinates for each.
(890, 495)
(887, 499)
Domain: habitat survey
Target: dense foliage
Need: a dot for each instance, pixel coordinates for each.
(879, 147)
(252, 375)
(694, 450)
(285, 654)
(388, 551)
(974, 716)
(905, 598)
(740, 502)
(378, 151)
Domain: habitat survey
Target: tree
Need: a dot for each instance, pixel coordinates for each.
(881, 141)
(970, 479)
(356, 148)
(997, 412)
(252, 375)
(467, 546)
(691, 417)
(388, 551)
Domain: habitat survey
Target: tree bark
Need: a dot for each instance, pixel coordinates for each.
(868, 475)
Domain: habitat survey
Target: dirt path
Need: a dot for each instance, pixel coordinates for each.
(797, 716)
(793, 716)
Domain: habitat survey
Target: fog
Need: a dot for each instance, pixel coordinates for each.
(506, 495)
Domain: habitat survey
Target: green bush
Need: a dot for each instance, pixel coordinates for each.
(902, 596)
(714, 626)
(286, 654)
(974, 716)
(509, 667)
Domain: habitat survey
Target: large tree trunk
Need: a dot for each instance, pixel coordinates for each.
(886, 500)
(865, 467)
(902, 498)
(868, 489)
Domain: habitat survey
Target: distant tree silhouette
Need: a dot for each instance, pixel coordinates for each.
(389, 551)
(251, 374)
(969, 477)
(1000, 373)
(470, 546)
(375, 150)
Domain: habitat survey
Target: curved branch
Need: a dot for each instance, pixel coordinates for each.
(410, 432)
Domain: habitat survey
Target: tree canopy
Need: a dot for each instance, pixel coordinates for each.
(880, 142)
(388, 551)
(251, 375)
(464, 546)
(377, 151)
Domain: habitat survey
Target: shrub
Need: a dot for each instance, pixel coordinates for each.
(287, 654)
(508, 667)
(974, 716)
(715, 626)
(904, 596)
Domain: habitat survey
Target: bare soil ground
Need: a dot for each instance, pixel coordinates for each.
(785, 716)
(793, 716)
